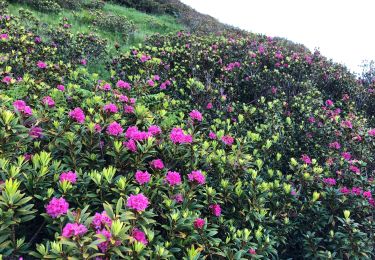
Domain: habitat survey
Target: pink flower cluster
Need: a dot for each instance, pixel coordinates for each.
(165, 84)
(232, 66)
(371, 132)
(177, 135)
(306, 159)
(124, 85)
(114, 129)
(329, 181)
(215, 209)
(157, 164)
(48, 101)
(212, 135)
(57, 207)
(199, 223)
(20, 106)
(138, 202)
(139, 236)
(41, 64)
(197, 177)
(173, 178)
(77, 115)
(73, 229)
(142, 177)
(61, 87)
(227, 139)
(101, 221)
(68, 176)
(335, 145)
(134, 134)
(110, 108)
(36, 132)
(196, 115)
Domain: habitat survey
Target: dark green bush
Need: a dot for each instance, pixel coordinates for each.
(94, 4)
(48, 6)
(70, 4)
(114, 23)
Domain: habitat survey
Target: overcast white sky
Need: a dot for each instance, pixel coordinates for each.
(342, 30)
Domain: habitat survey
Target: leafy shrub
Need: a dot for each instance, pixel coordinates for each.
(48, 6)
(70, 4)
(94, 4)
(114, 23)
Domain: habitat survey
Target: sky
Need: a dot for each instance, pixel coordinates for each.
(341, 30)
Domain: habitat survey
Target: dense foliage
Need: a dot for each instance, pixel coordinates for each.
(221, 147)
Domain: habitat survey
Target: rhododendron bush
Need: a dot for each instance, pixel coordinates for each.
(171, 159)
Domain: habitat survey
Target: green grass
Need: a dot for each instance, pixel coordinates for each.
(145, 24)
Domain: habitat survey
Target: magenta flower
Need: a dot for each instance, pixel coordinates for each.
(133, 133)
(346, 155)
(157, 164)
(106, 87)
(20, 106)
(139, 236)
(196, 115)
(345, 190)
(252, 251)
(367, 194)
(110, 108)
(215, 209)
(228, 140)
(179, 198)
(347, 124)
(68, 176)
(36, 132)
(335, 145)
(199, 223)
(4, 36)
(131, 145)
(48, 101)
(371, 132)
(197, 177)
(209, 106)
(41, 64)
(124, 85)
(212, 135)
(114, 129)
(356, 191)
(57, 207)
(77, 115)
(123, 98)
(173, 178)
(7, 80)
(151, 83)
(128, 109)
(306, 159)
(138, 202)
(154, 130)
(61, 87)
(101, 221)
(329, 103)
(329, 181)
(103, 246)
(142, 177)
(74, 229)
(177, 135)
(354, 169)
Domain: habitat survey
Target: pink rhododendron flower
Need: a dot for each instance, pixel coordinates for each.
(329, 181)
(346, 155)
(335, 145)
(110, 108)
(68, 176)
(123, 98)
(197, 177)
(354, 169)
(252, 251)
(61, 87)
(151, 83)
(4, 36)
(138, 202)
(48, 101)
(306, 159)
(199, 223)
(131, 145)
(215, 209)
(101, 221)
(36, 132)
(57, 207)
(329, 103)
(145, 58)
(371, 132)
(103, 246)
(128, 109)
(7, 80)
(157, 164)
(142, 177)
(73, 229)
(209, 106)
(345, 190)
(367, 194)
(21, 107)
(173, 178)
(77, 115)
(347, 124)
(133, 133)
(196, 115)
(139, 236)
(177, 135)
(356, 191)
(114, 129)
(97, 128)
(106, 87)
(124, 85)
(154, 130)
(228, 140)
(41, 65)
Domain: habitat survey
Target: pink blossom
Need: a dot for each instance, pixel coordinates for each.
(212, 135)
(347, 124)
(252, 251)
(101, 220)
(48, 101)
(356, 191)
(306, 159)
(57, 207)
(110, 108)
(41, 64)
(154, 130)
(77, 115)
(228, 140)
(97, 128)
(131, 145)
(133, 133)
(215, 209)
(4, 36)
(329, 181)
(139, 236)
(197, 177)
(114, 129)
(124, 85)
(123, 98)
(329, 103)
(178, 136)
(199, 223)
(335, 145)
(103, 246)
(68, 176)
(179, 198)
(157, 164)
(209, 106)
(142, 177)
(74, 229)
(61, 87)
(138, 202)
(21, 107)
(128, 109)
(346, 155)
(36, 132)
(354, 169)
(371, 132)
(173, 178)
(7, 80)
(367, 194)
(196, 115)
(145, 58)
(106, 87)
(345, 190)
(151, 83)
